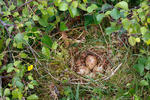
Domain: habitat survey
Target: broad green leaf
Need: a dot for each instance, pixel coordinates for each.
(17, 63)
(46, 40)
(30, 77)
(98, 18)
(44, 3)
(144, 83)
(143, 30)
(68, 0)
(73, 12)
(17, 94)
(106, 6)
(8, 41)
(91, 8)
(43, 22)
(63, 6)
(46, 51)
(25, 12)
(12, 7)
(57, 2)
(132, 40)
(15, 14)
(19, 38)
(112, 29)
(35, 18)
(82, 6)
(63, 26)
(123, 5)
(19, 2)
(126, 23)
(10, 67)
(148, 20)
(10, 29)
(28, 24)
(115, 14)
(23, 55)
(32, 97)
(139, 68)
(50, 10)
(85, 1)
(7, 98)
(137, 39)
(7, 92)
(55, 45)
(19, 85)
(74, 4)
(30, 86)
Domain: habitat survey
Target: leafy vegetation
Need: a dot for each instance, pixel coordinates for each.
(44, 46)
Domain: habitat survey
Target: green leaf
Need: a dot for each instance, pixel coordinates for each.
(68, 0)
(35, 18)
(63, 26)
(25, 12)
(139, 68)
(57, 2)
(55, 45)
(8, 41)
(74, 4)
(88, 20)
(10, 29)
(17, 63)
(115, 14)
(123, 5)
(98, 18)
(10, 67)
(147, 66)
(46, 40)
(110, 30)
(50, 10)
(106, 6)
(7, 92)
(144, 83)
(43, 22)
(91, 8)
(132, 40)
(46, 51)
(19, 38)
(30, 86)
(19, 2)
(19, 84)
(12, 7)
(143, 30)
(17, 94)
(32, 97)
(82, 6)
(73, 12)
(23, 55)
(63, 6)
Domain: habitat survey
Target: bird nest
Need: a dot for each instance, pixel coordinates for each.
(96, 63)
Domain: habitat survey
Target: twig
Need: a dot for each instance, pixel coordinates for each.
(6, 26)
(113, 72)
(22, 6)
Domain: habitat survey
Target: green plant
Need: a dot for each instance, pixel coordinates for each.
(21, 83)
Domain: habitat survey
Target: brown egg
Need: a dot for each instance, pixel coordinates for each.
(99, 69)
(83, 70)
(91, 61)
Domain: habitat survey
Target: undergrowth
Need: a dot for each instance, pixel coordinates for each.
(44, 43)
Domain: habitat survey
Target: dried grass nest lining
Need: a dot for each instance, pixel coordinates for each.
(92, 63)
